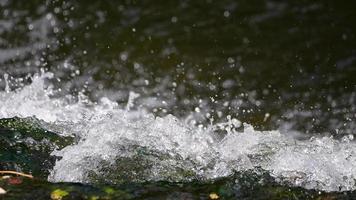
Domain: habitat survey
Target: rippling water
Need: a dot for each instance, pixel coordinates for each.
(186, 90)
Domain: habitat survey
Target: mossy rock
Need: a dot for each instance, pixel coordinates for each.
(25, 146)
(40, 189)
(224, 188)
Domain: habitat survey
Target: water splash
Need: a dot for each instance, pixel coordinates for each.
(117, 144)
(6, 79)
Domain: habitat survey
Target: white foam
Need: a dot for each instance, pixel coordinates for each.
(107, 131)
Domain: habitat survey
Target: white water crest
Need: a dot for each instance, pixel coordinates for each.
(112, 136)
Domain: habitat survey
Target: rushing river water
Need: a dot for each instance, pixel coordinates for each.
(184, 91)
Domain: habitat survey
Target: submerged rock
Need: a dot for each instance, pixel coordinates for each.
(25, 146)
(140, 164)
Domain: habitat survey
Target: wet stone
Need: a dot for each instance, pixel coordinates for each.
(26, 147)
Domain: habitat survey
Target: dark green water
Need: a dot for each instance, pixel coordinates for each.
(289, 57)
(287, 65)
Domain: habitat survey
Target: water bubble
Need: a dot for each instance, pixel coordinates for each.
(30, 27)
(267, 115)
(230, 60)
(137, 65)
(124, 56)
(174, 19)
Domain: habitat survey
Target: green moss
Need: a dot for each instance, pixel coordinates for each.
(58, 194)
(109, 190)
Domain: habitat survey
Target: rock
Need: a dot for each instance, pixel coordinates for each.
(26, 147)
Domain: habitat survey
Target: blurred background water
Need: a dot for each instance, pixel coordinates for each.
(274, 64)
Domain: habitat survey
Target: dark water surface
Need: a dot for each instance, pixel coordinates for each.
(287, 65)
(293, 60)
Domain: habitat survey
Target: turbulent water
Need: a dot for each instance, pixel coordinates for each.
(180, 92)
(173, 149)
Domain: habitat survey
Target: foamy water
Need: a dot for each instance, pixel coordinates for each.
(108, 133)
